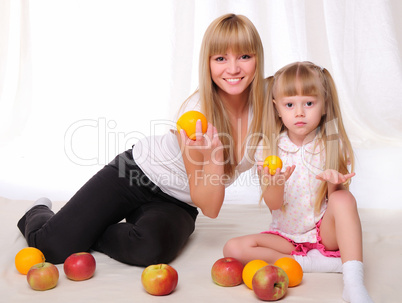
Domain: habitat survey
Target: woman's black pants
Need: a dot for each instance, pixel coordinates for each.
(119, 212)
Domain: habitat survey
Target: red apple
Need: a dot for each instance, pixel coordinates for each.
(79, 266)
(227, 272)
(160, 279)
(43, 276)
(270, 283)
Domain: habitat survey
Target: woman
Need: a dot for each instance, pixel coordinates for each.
(159, 184)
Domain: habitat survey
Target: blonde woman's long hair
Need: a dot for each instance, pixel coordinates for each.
(306, 78)
(235, 32)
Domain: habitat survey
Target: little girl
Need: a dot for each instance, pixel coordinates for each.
(314, 216)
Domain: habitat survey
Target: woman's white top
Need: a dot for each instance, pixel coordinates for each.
(160, 158)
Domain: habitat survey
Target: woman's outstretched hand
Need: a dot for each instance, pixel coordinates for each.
(203, 159)
(208, 144)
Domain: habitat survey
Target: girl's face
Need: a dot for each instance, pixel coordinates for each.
(301, 115)
(232, 73)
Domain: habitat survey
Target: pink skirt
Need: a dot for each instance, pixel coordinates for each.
(302, 248)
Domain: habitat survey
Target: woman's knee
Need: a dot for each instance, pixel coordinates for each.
(156, 244)
(155, 234)
(153, 251)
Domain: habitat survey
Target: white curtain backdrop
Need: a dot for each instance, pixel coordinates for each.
(82, 80)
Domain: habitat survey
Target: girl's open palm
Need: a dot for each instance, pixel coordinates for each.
(334, 177)
(279, 178)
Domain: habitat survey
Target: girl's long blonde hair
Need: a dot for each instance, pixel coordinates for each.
(306, 78)
(235, 32)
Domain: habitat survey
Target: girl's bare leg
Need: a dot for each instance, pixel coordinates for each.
(267, 247)
(341, 228)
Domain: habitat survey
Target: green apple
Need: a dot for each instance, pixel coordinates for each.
(43, 276)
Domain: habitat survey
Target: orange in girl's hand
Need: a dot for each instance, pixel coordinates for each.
(273, 162)
(27, 257)
(250, 269)
(188, 120)
(292, 269)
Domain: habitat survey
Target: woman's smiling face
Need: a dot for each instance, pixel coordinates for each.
(232, 73)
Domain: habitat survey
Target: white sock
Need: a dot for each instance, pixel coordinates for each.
(42, 201)
(353, 285)
(317, 262)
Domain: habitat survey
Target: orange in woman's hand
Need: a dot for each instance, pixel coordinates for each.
(250, 269)
(292, 269)
(27, 257)
(188, 120)
(273, 162)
